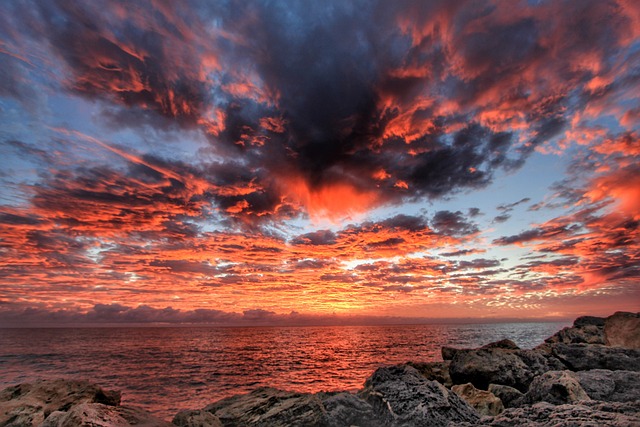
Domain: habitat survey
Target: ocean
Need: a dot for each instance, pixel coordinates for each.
(166, 369)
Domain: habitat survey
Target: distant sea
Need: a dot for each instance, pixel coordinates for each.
(166, 369)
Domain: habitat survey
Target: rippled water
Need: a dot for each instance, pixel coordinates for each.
(168, 369)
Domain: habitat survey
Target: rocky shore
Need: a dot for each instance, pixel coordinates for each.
(584, 375)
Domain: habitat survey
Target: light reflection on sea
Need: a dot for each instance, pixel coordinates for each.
(166, 369)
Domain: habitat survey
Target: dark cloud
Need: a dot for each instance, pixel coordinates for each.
(452, 224)
(255, 81)
(320, 237)
(501, 218)
(510, 206)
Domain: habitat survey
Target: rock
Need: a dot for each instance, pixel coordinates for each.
(99, 415)
(506, 344)
(581, 357)
(448, 352)
(499, 365)
(589, 334)
(508, 395)
(588, 321)
(485, 402)
(585, 414)
(485, 366)
(196, 418)
(401, 396)
(30, 404)
(270, 407)
(556, 387)
(436, 371)
(346, 409)
(610, 386)
(623, 330)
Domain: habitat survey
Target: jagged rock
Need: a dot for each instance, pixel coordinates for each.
(505, 343)
(581, 357)
(584, 414)
(270, 407)
(622, 329)
(400, 396)
(99, 415)
(556, 387)
(508, 395)
(588, 321)
(485, 366)
(346, 409)
(436, 371)
(485, 402)
(29, 404)
(196, 418)
(589, 334)
(585, 329)
(610, 386)
(498, 364)
(448, 352)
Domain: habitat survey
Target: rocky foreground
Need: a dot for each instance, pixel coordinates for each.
(584, 375)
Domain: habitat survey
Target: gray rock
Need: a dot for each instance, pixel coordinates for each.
(581, 357)
(448, 352)
(584, 414)
(588, 321)
(270, 407)
(485, 402)
(610, 386)
(589, 334)
(556, 387)
(196, 418)
(436, 371)
(346, 409)
(400, 396)
(500, 365)
(99, 415)
(30, 404)
(508, 395)
(622, 329)
(505, 343)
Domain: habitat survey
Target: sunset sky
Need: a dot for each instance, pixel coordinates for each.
(298, 161)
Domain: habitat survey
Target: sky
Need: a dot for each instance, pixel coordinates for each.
(239, 162)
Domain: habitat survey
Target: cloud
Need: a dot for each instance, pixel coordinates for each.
(452, 224)
(436, 108)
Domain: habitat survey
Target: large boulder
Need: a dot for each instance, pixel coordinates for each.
(346, 409)
(485, 402)
(99, 415)
(585, 329)
(610, 386)
(508, 395)
(500, 364)
(581, 357)
(401, 396)
(436, 371)
(30, 404)
(622, 330)
(583, 321)
(270, 407)
(584, 414)
(556, 387)
(196, 418)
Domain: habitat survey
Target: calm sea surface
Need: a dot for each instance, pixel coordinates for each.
(168, 369)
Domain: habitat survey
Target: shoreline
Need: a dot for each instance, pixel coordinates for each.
(496, 384)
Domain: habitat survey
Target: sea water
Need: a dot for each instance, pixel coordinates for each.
(166, 369)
